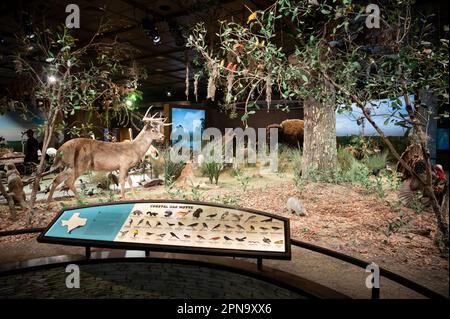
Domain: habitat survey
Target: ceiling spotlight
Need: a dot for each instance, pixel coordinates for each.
(169, 93)
(51, 79)
(151, 30)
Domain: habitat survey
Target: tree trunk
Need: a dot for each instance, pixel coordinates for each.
(319, 145)
(40, 169)
(12, 208)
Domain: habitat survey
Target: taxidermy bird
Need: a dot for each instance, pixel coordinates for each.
(113, 179)
(83, 185)
(376, 172)
(412, 187)
(47, 189)
(103, 185)
(64, 189)
(413, 156)
(295, 206)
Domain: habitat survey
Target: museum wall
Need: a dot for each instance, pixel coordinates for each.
(262, 118)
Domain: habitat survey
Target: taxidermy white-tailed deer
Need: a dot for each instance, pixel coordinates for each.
(78, 155)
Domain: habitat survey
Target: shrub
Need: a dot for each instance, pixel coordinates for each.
(171, 169)
(358, 173)
(212, 171)
(296, 161)
(157, 167)
(395, 225)
(345, 159)
(376, 161)
(243, 179)
(284, 154)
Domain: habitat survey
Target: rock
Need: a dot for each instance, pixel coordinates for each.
(295, 206)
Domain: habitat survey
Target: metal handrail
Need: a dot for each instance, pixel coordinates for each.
(405, 282)
(22, 231)
(363, 264)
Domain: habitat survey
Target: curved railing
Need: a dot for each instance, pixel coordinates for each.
(405, 282)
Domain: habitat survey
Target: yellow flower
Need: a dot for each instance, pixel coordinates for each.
(252, 17)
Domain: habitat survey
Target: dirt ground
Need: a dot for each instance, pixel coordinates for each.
(344, 218)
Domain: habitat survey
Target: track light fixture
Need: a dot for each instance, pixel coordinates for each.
(151, 30)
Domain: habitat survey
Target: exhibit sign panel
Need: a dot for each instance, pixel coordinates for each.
(180, 226)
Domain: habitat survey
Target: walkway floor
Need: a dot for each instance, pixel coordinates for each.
(333, 273)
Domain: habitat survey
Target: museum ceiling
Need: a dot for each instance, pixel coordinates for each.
(165, 60)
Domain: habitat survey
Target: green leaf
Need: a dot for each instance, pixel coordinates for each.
(305, 78)
(49, 60)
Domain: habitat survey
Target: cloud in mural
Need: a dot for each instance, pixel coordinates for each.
(380, 110)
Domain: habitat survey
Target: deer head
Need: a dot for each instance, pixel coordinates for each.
(155, 125)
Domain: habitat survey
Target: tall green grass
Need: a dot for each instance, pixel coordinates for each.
(171, 169)
(376, 161)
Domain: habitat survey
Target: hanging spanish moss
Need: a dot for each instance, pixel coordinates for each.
(268, 91)
(186, 92)
(230, 80)
(196, 77)
(214, 74)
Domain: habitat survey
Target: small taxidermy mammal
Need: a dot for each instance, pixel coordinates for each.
(15, 185)
(295, 206)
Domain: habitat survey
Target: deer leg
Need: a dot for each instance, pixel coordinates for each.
(130, 182)
(58, 180)
(122, 177)
(70, 183)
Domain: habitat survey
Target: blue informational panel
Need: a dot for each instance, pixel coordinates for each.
(173, 226)
(102, 222)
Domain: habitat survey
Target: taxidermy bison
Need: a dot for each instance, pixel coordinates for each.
(290, 132)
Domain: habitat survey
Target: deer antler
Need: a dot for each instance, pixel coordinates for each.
(153, 119)
(163, 123)
(145, 116)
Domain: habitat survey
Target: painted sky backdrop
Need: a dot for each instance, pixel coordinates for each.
(12, 125)
(187, 119)
(346, 122)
